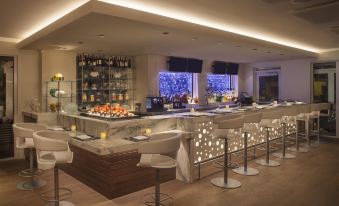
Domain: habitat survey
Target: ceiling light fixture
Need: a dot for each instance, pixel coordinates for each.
(165, 33)
(194, 38)
(178, 15)
(101, 35)
(219, 43)
(55, 16)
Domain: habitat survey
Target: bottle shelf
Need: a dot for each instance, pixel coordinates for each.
(107, 86)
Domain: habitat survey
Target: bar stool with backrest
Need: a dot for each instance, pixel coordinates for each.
(52, 149)
(303, 112)
(216, 121)
(289, 118)
(154, 154)
(270, 121)
(251, 125)
(314, 117)
(23, 133)
(226, 130)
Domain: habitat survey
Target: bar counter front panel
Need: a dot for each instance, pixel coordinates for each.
(109, 166)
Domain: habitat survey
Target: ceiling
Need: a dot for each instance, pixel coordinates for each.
(133, 31)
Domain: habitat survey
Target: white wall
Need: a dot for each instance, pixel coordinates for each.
(295, 78)
(53, 62)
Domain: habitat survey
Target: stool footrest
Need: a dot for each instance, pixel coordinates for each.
(220, 164)
(64, 193)
(165, 199)
(28, 173)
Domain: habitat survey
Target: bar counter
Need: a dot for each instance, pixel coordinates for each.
(109, 166)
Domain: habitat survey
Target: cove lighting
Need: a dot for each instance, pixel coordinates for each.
(12, 40)
(153, 9)
(54, 17)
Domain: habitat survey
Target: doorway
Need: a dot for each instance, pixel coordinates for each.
(324, 90)
(267, 84)
(6, 106)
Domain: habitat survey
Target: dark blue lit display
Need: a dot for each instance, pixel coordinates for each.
(218, 83)
(171, 83)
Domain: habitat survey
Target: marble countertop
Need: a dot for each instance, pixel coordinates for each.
(107, 147)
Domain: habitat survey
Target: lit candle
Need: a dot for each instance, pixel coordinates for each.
(73, 128)
(227, 106)
(148, 131)
(103, 135)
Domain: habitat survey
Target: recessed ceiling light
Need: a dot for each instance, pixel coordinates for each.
(255, 49)
(101, 35)
(281, 54)
(268, 52)
(219, 43)
(80, 42)
(165, 33)
(194, 38)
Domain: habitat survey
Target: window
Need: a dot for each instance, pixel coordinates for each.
(175, 83)
(219, 83)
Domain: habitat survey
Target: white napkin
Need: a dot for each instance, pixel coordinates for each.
(83, 137)
(140, 138)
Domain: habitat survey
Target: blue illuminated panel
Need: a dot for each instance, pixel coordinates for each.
(175, 83)
(218, 83)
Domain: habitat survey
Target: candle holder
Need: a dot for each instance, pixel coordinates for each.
(103, 135)
(73, 128)
(148, 131)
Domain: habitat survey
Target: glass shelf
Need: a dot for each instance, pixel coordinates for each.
(108, 87)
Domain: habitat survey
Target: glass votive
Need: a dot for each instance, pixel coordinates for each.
(103, 135)
(73, 128)
(148, 131)
(227, 106)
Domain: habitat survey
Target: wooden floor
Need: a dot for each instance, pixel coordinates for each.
(310, 180)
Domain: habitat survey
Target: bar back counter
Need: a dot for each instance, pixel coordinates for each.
(109, 166)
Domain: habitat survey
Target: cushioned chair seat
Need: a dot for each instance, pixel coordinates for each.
(222, 134)
(270, 123)
(250, 127)
(28, 143)
(157, 161)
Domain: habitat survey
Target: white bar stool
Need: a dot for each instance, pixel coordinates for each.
(23, 133)
(52, 149)
(154, 154)
(270, 121)
(217, 120)
(289, 118)
(226, 131)
(251, 122)
(302, 116)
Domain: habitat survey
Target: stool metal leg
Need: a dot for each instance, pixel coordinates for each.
(318, 134)
(224, 181)
(283, 154)
(267, 161)
(246, 170)
(297, 147)
(30, 173)
(56, 201)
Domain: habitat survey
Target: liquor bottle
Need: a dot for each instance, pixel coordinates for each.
(126, 63)
(129, 64)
